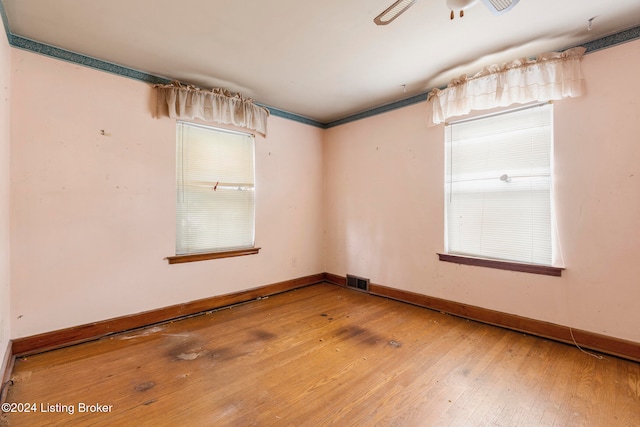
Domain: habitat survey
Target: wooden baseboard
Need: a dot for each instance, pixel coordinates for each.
(335, 279)
(77, 334)
(588, 340)
(88, 332)
(7, 370)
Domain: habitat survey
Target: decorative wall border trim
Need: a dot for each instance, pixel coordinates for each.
(87, 61)
(601, 343)
(92, 331)
(294, 117)
(65, 55)
(379, 110)
(612, 40)
(5, 21)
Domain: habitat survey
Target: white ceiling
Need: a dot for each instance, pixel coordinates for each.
(324, 60)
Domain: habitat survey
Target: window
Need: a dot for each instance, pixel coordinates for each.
(215, 208)
(498, 186)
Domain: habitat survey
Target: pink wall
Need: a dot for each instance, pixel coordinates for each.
(384, 207)
(93, 216)
(5, 77)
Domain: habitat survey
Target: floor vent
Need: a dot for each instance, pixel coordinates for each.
(357, 282)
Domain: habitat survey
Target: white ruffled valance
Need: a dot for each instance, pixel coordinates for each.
(216, 105)
(550, 76)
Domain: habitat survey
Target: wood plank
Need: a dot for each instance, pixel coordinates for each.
(326, 355)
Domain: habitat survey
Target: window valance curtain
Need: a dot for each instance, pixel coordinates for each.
(216, 105)
(550, 76)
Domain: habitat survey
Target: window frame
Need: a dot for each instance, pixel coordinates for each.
(223, 252)
(497, 263)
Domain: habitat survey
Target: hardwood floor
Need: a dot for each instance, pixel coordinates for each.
(324, 355)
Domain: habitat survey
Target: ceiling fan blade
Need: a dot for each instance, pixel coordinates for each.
(498, 7)
(393, 11)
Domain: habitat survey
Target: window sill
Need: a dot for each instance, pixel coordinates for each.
(211, 255)
(502, 265)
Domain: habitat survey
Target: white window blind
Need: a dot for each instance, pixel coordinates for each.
(215, 190)
(498, 186)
